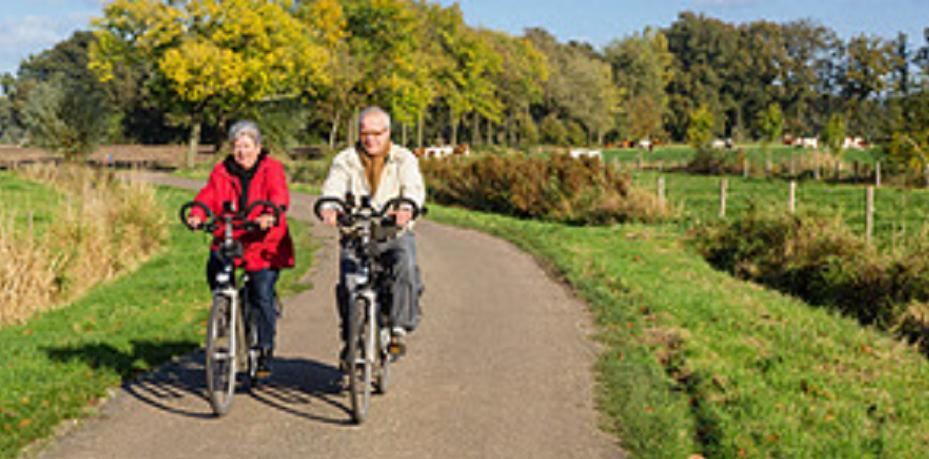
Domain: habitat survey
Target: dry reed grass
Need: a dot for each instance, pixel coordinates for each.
(107, 227)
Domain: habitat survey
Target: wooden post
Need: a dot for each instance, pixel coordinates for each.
(767, 166)
(792, 197)
(869, 214)
(816, 170)
(838, 170)
(877, 174)
(745, 166)
(661, 195)
(723, 184)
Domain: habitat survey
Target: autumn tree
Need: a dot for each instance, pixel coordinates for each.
(208, 59)
(642, 70)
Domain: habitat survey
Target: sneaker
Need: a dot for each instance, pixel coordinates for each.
(264, 364)
(397, 347)
(343, 358)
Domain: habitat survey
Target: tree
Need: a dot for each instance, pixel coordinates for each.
(642, 69)
(209, 59)
(834, 134)
(62, 117)
(700, 131)
(770, 125)
(520, 83)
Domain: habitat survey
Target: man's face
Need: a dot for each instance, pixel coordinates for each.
(375, 136)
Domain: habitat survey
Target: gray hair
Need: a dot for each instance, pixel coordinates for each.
(373, 110)
(245, 127)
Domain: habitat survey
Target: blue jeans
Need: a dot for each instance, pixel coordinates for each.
(260, 292)
(405, 286)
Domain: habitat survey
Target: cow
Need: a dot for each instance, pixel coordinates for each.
(578, 153)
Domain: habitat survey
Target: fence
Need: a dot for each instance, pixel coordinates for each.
(886, 215)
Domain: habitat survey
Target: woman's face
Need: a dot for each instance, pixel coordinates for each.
(245, 151)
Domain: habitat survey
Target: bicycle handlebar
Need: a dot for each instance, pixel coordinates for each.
(237, 219)
(349, 213)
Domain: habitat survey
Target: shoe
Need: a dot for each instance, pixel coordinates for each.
(397, 347)
(343, 358)
(264, 364)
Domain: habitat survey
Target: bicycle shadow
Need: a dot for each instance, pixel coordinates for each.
(293, 388)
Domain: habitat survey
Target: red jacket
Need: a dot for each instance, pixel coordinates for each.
(272, 248)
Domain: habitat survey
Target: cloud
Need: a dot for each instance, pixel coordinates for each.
(31, 34)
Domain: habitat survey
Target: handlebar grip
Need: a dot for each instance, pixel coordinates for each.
(276, 210)
(318, 206)
(208, 225)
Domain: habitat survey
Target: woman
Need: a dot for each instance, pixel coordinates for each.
(250, 174)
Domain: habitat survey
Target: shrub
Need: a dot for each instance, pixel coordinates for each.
(822, 262)
(556, 188)
(108, 227)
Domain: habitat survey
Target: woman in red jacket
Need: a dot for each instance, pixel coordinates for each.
(247, 175)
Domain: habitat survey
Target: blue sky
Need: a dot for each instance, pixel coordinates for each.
(30, 26)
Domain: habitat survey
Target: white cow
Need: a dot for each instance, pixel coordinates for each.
(578, 153)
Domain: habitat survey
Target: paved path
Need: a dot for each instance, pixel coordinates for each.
(501, 367)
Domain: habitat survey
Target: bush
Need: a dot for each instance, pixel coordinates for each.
(822, 262)
(556, 188)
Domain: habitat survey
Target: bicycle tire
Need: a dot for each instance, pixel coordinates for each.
(382, 381)
(359, 367)
(220, 359)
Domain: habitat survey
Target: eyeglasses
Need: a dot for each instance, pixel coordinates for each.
(373, 133)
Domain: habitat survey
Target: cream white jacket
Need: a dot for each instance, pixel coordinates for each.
(400, 177)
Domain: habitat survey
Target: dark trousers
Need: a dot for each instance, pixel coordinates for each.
(260, 293)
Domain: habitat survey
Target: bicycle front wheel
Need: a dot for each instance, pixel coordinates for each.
(221, 354)
(359, 364)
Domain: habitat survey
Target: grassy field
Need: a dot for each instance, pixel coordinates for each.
(25, 201)
(60, 363)
(674, 154)
(698, 362)
(899, 213)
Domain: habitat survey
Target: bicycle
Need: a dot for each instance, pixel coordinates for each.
(232, 332)
(363, 229)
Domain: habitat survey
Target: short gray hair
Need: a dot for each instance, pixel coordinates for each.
(245, 127)
(373, 110)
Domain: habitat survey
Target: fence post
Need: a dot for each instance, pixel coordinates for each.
(877, 174)
(869, 214)
(767, 166)
(745, 166)
(838, 170)
(792, 197)
(661, 196)
(723, 184)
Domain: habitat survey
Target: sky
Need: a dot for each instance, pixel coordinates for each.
(31, 26)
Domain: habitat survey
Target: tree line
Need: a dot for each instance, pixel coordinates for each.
(161, 71)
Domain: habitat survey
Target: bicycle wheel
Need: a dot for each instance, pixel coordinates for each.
(359, 366)
(220, 355)
(383, 371)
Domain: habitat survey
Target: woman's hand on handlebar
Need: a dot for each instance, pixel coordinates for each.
(194, 221)
(265, 221)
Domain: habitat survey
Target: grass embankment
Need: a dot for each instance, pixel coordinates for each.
(57, 365)
(699, 362)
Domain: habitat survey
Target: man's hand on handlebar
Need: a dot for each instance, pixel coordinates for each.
(402, 216)
(330, 216)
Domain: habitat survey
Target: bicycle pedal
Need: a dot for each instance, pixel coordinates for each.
(396, 349)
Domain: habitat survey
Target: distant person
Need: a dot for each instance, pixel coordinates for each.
(377, 168)
(250, 174)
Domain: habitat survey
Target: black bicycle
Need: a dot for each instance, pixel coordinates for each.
(364, 229)
(232, 332)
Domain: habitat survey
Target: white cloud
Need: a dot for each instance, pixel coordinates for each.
(31, 34)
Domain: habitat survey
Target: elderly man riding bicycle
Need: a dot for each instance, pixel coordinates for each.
(380, 170)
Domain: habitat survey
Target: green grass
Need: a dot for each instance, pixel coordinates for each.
(22, 199)
(899, 213)
(678, 154)
(57, 365)
(698, 362)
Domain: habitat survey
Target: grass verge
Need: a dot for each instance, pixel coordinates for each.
(701, 363)
(59, 364)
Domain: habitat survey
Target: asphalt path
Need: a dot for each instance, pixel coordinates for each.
(500, 367)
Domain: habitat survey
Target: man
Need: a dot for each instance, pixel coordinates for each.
(377, 168)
